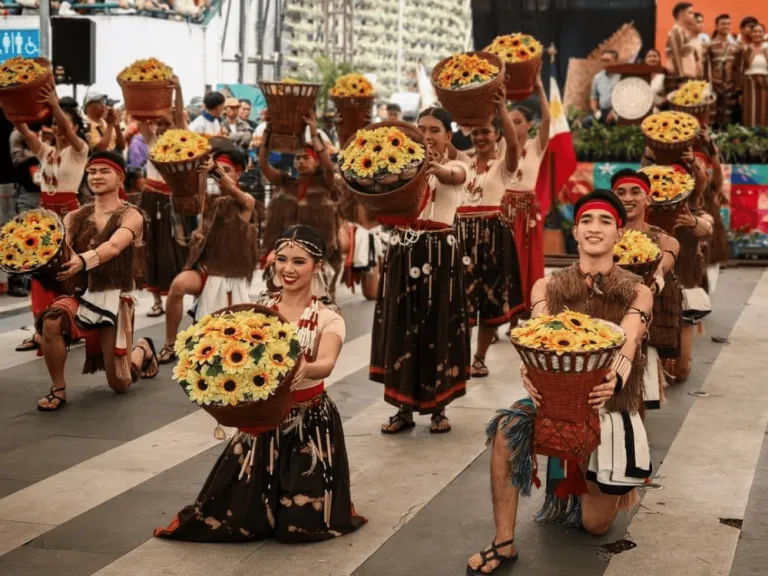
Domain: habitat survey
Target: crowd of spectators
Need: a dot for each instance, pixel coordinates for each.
(193, 10)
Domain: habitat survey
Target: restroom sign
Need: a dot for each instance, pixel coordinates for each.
(24, 43)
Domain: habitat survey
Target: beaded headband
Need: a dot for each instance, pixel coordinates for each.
(313, 249)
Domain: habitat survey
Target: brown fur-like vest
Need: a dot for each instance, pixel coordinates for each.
(126, 271)
(568, 289)
(664, 332)
(225, 245)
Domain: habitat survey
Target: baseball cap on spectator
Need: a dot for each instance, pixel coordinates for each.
(99, 97)
(232, 102)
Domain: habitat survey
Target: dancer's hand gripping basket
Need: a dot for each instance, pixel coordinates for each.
(238, 365)
(288, 103)
(21, 82)
(147, 87)
(34, 242)
(179, 156)
(384, 166)
(565, 357)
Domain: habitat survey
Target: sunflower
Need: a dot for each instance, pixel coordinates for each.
(574, 320)
(200, 389)
(182, 368)
(415, 152)
(230, 388)
(205, 350)
(365, 166)
(282, 331)
(255, 334)
(45, 254)
(395, 160)
(278, 354)
(396, 138)
(232, 330)
(30, 242)
(150, 69)
(263, 384)
(235, 358)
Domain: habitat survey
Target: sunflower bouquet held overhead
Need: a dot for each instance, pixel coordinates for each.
(668, 182)
(692, 93)
(179, 146)
(29, 241)
(514, 48)
(148, 70)
(670, 127)
(352, 85)
(463, 70)
(566, 332)
(385, 153)
(235, 357)
(17, 71)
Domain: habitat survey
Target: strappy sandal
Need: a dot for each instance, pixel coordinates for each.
(150, 360)
(490, 555)
(167, 355)
(437, 419)
(51, 396)
(156, 311)
(28, 345)
(478, 369)
(397, 419)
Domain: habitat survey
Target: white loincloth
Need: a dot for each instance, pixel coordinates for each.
(653, 381)
(220, 292)
(615, 462)
(368, 248)
(103, 309)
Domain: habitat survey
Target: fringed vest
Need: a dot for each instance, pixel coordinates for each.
(568, 289)
(690, 262)
(127, 270)
(309, 203)
(664, 332)
(225, 245)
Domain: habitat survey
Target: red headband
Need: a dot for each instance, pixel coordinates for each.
(634, 180)
(599, 205)
(101, 161)
(224, 159)
(309, 151)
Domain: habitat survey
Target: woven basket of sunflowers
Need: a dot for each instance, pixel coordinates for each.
(384, 167)
(178, 155)
(353, 96)
(670, 188)
(21, 81)
(521, 55)
(566, 356)
(288, 103)
(466, 84)
(34, 243)
(238, 364)
(695, 97)
(637, 253)
(669, 134)
(147, 87)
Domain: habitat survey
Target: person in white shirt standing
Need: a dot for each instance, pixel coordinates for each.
(208, 122)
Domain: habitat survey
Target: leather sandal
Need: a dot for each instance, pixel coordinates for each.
(490, 555)
(156, 311)
(29, 344)
(167, 355)
(51, 396)
(397, 419)
(478, 368)
(437, 420)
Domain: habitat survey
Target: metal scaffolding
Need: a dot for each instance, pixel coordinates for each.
(338, 30)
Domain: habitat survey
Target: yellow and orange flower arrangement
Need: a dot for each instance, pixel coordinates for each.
(351, 85)
(29, 241)
(179, 145)
(635, 248)
(566, 332)
(17, 71)
(514, 48)
(670, 127)
(668, 182)
(380, 151)
(149, 70)
(692, 93)
(464, 70)
(235, 357)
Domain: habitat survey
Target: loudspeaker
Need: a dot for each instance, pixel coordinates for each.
(74, 50)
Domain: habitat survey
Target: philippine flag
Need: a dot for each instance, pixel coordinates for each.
(559, 163)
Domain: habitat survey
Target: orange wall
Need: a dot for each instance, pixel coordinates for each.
(711, 9)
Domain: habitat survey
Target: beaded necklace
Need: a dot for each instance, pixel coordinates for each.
(306, 327)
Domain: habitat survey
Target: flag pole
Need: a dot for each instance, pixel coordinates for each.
(552, 51)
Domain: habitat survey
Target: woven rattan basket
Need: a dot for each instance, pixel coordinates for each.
(21, 103)
(354, 112)
(148, 100)
(520, 78)
(646, 270)
(264, 414)
(187, 184)
(664, 214)
(404, 200)
(701, 112)
(288, 104)
(472, 106)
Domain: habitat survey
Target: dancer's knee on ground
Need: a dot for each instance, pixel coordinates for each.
(594, 524)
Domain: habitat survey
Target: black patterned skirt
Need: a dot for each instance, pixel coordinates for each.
(291, 484)
(165, 254)
(421, 350)
(491, 270)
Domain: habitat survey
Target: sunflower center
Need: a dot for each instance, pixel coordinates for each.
(367, 163)
(259, 381)
(30, 242)
(257, 336)
(201, 385)
(237, 357)
(576, 323)
(229, 331)
(207, 350)
(395, 142)
(563, 342)
(230, 385)
(282, 334)
(277, 358)
(9, 256)
(377, 148)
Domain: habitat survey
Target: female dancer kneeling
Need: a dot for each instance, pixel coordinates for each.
(299, 493)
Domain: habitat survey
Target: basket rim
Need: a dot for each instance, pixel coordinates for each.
(197, 158)
(253, 307)
(711, 100)
(612, 348)
(649, 263)
(276, 82)
(61, 228)
(492, 58)
(150, 83)
(34, 83)
(410, 131)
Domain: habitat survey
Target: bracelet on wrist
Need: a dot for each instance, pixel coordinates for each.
(623, 367)
(91, 259)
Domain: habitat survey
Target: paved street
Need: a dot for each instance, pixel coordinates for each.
(82, 489)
